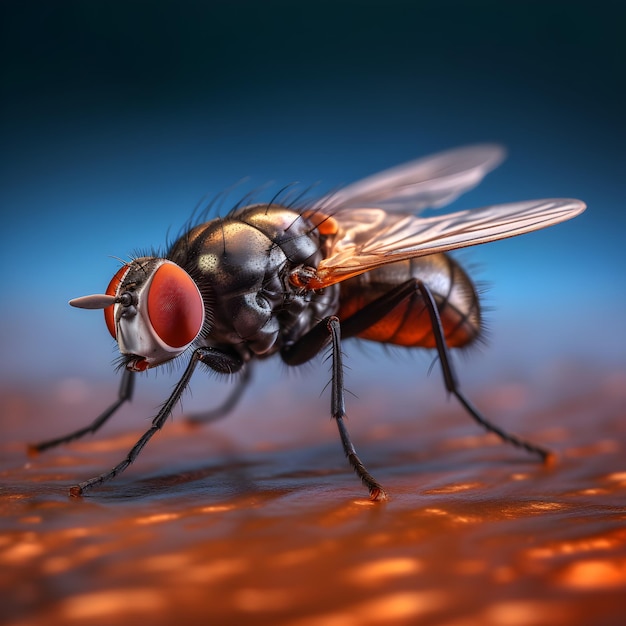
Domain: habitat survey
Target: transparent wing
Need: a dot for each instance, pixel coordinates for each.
(430, 182)
(368, 238)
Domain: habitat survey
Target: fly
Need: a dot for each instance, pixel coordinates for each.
(277, 279)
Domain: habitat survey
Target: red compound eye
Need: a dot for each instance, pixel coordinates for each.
(175, 306)
(112, 291)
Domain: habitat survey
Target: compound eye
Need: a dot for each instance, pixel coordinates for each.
(109, 312)
(175, 306)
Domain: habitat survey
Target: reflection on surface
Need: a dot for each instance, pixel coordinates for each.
(202, 530)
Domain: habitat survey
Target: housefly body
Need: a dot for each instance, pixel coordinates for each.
(281, 279)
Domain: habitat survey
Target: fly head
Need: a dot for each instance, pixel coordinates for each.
(152, 308)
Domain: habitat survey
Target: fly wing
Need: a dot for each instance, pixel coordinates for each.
(430, 182)
(369, 237)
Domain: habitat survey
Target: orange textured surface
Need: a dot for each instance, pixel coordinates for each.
(210, 528)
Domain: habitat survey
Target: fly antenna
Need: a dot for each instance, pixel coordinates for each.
(94, 301)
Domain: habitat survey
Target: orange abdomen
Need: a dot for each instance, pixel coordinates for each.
(408, 324)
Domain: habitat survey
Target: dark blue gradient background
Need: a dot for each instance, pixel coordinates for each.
(118, 117)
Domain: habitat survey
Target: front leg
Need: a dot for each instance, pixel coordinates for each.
(219, 361)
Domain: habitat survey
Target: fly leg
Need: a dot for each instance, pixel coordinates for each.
(453, 387)
(220, 361)
(306, 348)
(377, 309)
(338, 411)
(125, 394)
(229, 403)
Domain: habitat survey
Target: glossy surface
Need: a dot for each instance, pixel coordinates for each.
(220, 525)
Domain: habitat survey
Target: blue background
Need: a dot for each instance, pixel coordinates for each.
(118, 118)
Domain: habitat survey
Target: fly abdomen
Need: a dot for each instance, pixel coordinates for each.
(408, 324)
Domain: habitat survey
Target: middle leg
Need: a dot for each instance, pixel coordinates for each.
(304, 349)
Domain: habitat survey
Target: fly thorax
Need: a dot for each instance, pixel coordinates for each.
(240, 267)
(246, 259)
